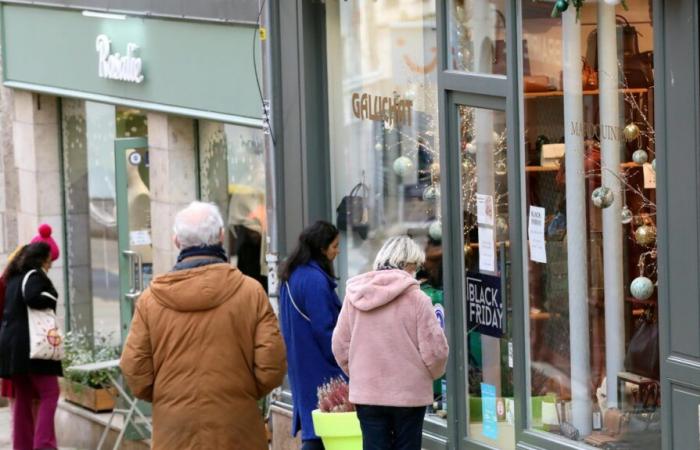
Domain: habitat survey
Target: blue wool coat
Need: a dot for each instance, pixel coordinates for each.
(310, 359)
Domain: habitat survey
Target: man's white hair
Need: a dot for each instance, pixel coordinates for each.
(198, 224)
(397, 253)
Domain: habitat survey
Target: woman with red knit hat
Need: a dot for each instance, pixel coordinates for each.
(28, 286)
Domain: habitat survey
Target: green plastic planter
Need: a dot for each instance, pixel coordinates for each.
(339, 431)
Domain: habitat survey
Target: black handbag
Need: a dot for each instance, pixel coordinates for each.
(642, 355)
(353, 213)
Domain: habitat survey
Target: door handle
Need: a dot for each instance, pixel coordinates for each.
(135, 276)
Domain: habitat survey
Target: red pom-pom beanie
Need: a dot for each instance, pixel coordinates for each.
(45, 237)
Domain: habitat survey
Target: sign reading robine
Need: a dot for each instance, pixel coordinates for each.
(485, 311)
(394, 110)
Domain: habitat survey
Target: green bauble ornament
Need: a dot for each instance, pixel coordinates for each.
(631, 131)
(602, 197)
(653, 164)
(640, 156)
(431, 193)
(645, 235)
(561, 6)
(402, 166)
(641, 288)
(435, 230)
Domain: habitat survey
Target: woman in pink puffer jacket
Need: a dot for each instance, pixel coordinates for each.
(392, 347)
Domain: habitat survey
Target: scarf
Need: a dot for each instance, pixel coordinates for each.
(213, 251)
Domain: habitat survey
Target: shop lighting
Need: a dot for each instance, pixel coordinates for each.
(101, 15)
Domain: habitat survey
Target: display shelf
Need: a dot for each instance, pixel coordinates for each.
(624, 165)
(553, 94)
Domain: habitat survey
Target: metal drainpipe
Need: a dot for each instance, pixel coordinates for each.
(270, 160)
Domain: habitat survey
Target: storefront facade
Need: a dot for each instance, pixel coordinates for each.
(137, 117)
(539, 155)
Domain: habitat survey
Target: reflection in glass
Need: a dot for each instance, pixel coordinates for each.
(484, 189)
(477, 37)
(589, 137)
(232, 175)
(383, 118)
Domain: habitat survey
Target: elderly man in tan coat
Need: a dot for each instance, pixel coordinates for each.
(204, 345)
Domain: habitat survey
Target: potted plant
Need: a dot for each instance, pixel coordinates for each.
(90, 390)
(335, 420)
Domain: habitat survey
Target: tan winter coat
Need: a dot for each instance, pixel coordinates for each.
(204, 346)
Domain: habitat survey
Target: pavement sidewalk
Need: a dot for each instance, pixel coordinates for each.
(5, 430)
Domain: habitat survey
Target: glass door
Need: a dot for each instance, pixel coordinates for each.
(481, 232)
(134, 223)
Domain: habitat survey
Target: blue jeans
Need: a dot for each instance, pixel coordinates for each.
(390, 427)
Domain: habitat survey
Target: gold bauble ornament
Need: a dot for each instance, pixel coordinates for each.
(631, 132)
(645, 235)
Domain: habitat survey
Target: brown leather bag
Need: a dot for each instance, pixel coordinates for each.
(642, 355)
(614, 425)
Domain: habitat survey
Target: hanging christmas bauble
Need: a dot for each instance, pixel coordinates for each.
(602, 197)
(435, 230)
(471, 148)
(645, 235)
(653, 164)
(501, 228)
(431, 193)
(626, 215)
(561, 5)
(402, 166)
(501, 167)
(640, 156)
(641, 288)
(631, 131)
(379, 146)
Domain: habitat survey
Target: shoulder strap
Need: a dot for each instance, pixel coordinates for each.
(289, 291)
(25, 279)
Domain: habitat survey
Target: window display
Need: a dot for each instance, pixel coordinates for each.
(590, 173)
(477, 37)
(232, 175)
(383, 118)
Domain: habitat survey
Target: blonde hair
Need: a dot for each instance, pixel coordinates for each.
(398, 252)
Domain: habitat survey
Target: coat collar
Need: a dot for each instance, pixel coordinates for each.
(331, 280)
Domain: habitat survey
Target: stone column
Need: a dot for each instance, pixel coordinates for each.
(77, 249)
(173, 180)
(9, 189)
(35, 127)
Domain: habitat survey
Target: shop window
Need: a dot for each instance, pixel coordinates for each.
(488, 351)
(232, 175)
(477, 36)
(383, 118)
(591, 215)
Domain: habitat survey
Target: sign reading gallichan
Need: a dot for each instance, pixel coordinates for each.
(115, 66)
(485, 312)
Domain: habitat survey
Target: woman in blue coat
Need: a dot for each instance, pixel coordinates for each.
(309, 309)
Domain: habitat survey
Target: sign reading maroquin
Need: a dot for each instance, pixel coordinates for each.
(394, 110)
(485, 312)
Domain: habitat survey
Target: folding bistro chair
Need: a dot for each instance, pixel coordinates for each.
(130, 414)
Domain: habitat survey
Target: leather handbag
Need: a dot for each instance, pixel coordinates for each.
(642, 356)
(45, 337)
(353, 213)
(637, 67)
